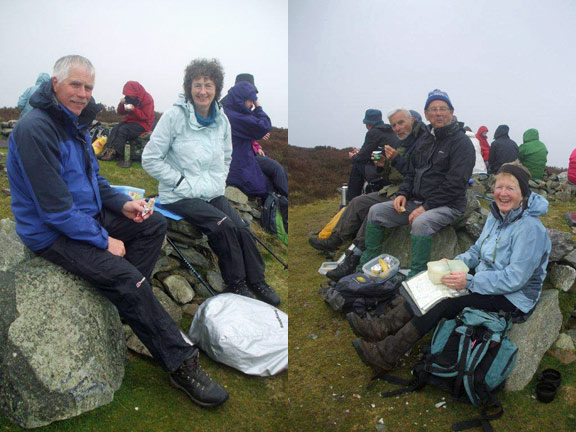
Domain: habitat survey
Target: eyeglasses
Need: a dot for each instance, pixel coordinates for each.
(438, 109)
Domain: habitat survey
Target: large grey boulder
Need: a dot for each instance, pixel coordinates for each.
(14, 251)
(444, 244)
(562, 277)
(533, 338)
(61, 345)
(562, 244)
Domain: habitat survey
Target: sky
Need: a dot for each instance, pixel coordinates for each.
(501, 62)
(151, 42)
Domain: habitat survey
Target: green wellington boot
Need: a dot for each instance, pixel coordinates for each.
(373, 242)
(420, 248)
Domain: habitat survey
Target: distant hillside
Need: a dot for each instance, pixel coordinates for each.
(315, 173)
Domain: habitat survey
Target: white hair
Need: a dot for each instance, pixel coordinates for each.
(63, 65)
(406, 112)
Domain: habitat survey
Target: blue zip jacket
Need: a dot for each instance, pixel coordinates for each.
(511, 254)
(53, 174)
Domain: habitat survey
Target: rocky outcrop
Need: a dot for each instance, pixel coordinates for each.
(533, 338)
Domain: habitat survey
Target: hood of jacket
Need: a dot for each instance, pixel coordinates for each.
(531, 135)
(45, 99)
(239, 94)
(134, 89)
(502, 132)
(42, 78)
(536, 206)
(481, 130)
(188, 109)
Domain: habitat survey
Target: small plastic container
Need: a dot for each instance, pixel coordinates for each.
(327, 266)
(393, 267)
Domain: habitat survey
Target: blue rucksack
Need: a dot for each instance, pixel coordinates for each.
(470, 357)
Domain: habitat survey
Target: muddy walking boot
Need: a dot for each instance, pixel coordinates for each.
(265, 293)
(384, 355)
(199, 387)
(239, 288)
(375, 329)
(346, 267)
(331, 244)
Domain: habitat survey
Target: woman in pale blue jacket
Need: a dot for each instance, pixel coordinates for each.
(509, 258)
(189, 153)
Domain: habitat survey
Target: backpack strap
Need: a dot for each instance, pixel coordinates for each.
(477, 356)
(464, 350)
(409, 385)
(484, 419)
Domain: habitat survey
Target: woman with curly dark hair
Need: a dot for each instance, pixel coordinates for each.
(189, 153)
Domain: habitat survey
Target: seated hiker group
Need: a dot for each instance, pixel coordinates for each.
(66, 212)
(424, 175)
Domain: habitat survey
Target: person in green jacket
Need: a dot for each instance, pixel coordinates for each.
(533, 154)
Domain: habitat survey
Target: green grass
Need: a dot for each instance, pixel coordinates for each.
(328, 381)
(146, 402)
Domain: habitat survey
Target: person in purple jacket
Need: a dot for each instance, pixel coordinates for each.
(249, 122)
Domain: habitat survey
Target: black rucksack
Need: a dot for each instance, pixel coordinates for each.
(358, 293)
(274, 216)
(470, 357)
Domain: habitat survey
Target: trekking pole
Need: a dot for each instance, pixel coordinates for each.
(484, 198)
(266, 247)
(191, 268)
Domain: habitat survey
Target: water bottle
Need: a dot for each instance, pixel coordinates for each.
(344, 199)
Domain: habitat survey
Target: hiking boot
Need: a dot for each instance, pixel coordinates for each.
(331, 244)
(199, 387)
(374, 329)
(108, 154)
(384, 355)
(239, 288)
(346, 267)
(265, 293)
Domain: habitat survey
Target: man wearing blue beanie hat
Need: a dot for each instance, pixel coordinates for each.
(433, 194)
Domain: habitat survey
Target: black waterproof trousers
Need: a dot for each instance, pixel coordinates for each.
(228, 235)
(122, 133)
(276, 177)
(124, 281)
(451, 307)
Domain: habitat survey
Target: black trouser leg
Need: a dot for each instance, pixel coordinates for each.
(355, 181)
(142, 240)
(275, 174)
(126, 287)
(229, 237)
(121, 133)
(451, 307)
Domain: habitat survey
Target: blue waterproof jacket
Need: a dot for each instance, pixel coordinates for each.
(247, 126)
(53, 174)
(24, 99)
(511, 254)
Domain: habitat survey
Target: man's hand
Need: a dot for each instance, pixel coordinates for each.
(419, 210)
(352, 153)
(116, 247)
(455, 280)
(400, 204)
(380, 162)
(133, 210)
(391, 152)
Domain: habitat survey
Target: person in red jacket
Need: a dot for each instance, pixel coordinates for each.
(572, 168)
(482, 136)
(137, 107)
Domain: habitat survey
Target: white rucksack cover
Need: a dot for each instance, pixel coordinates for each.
(243, 333)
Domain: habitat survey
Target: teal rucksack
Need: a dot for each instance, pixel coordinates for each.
(470, 357)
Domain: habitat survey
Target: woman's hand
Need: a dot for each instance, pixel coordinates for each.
(455, 280)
